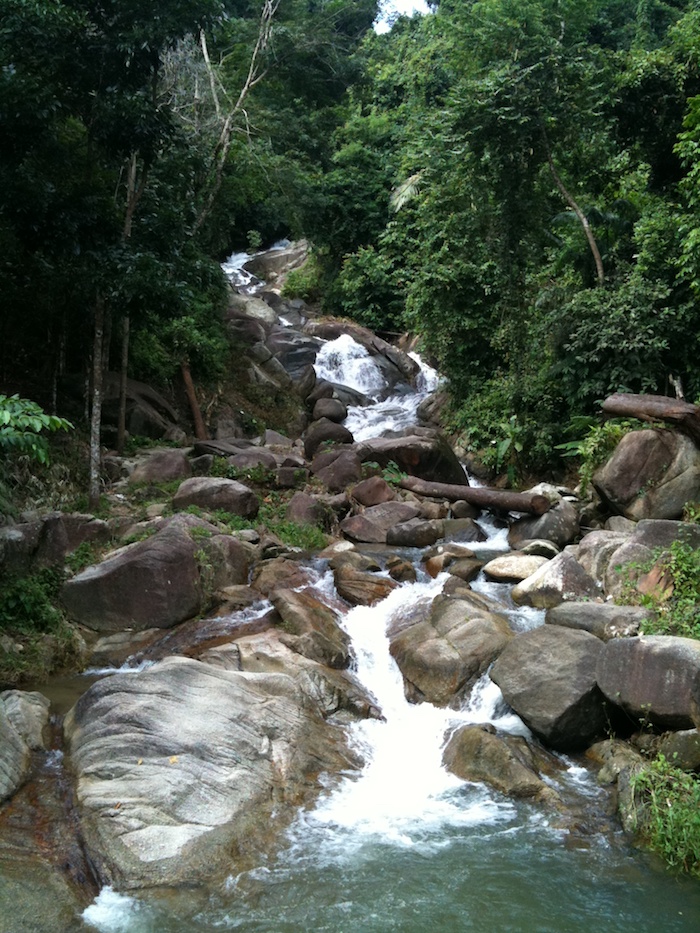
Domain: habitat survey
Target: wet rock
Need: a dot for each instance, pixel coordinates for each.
(440, 656)
(401, 570)
(373, 491)
(462, 529)
(331, 408)
(151, 584)
(505, 762)
(548, 676)
(212, 493)
(163, 466)
(322, 431)
(360, 588)
(372, 525)
(28, 713)
(604, 620)
(614, 756)
(651, 474)
(311, 628)
(559, 525)
(279, 572)
(415, 533)
(339, 695)
(14, 756)
(539, 547)
(562, 578)
(512, 568)
(354, 559)
(651, 677)
(180, 766)
(462, 509)
(444, 556)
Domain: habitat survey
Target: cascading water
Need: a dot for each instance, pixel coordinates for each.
(403, 845)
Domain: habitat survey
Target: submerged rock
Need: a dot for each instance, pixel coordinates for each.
(506, 762)
(180, 768)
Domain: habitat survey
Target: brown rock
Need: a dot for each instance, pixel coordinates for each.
(373, 491)
(373, 524)
(212, 493)
(360, 588)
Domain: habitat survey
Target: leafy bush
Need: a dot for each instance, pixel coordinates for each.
(677, 603)
(22, 427)
(596, 446)
(670, 799)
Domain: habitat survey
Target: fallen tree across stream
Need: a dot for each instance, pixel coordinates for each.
(481, 496)
(682, 415)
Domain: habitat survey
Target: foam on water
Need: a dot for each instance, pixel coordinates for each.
(112, 912)
(403, 796)
(346, 362)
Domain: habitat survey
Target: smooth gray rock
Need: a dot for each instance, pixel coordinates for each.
(442, 654)
(28, 712)
(212, 493)
(652, 678)
(651, 474)
(372, 525)
(604, 620)
(560, 525)
(548, 676)
(179, 767)
(163, 466)
(14, 756)
(560, 579)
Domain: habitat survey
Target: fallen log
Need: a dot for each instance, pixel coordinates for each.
(481, 496)
(682, 415)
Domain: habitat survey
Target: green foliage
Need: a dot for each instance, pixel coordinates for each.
(596, 445)
(83, 556)
(28, 604)
(670, 808)
(676, 603)
(691, 512)
(305, 283)
(22, 427)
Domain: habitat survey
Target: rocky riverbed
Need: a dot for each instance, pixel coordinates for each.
(227, 686)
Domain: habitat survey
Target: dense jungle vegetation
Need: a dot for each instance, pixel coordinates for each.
(517, 181)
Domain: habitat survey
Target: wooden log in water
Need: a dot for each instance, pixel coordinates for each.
(682, 415)
(481, 496)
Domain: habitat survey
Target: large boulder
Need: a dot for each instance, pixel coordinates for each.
(182, 766)
(651, 474)
(337, 469)
(512, 568)
(325, 431)
(441, 656)
(14, 756)
(28, 713)
(415, 533)
(360, 588)
(559, 579)
(372, 525)
(373, 491)
(548, 676)
(505, 762)
(560, 525)
(604, 620)
(595, 551)
(212, 493)
(652, 678)
(154, 583)
(163, 466)
(311, 628)
(426, 454)
(636, 554)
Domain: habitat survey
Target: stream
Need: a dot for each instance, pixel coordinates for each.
(405, 845)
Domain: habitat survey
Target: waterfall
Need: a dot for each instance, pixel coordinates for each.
(346, 362)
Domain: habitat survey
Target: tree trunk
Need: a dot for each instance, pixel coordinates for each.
(121, 427)
(682, 415)
(200, 431)
(480, 496)
(96, 413)
(568, 197)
